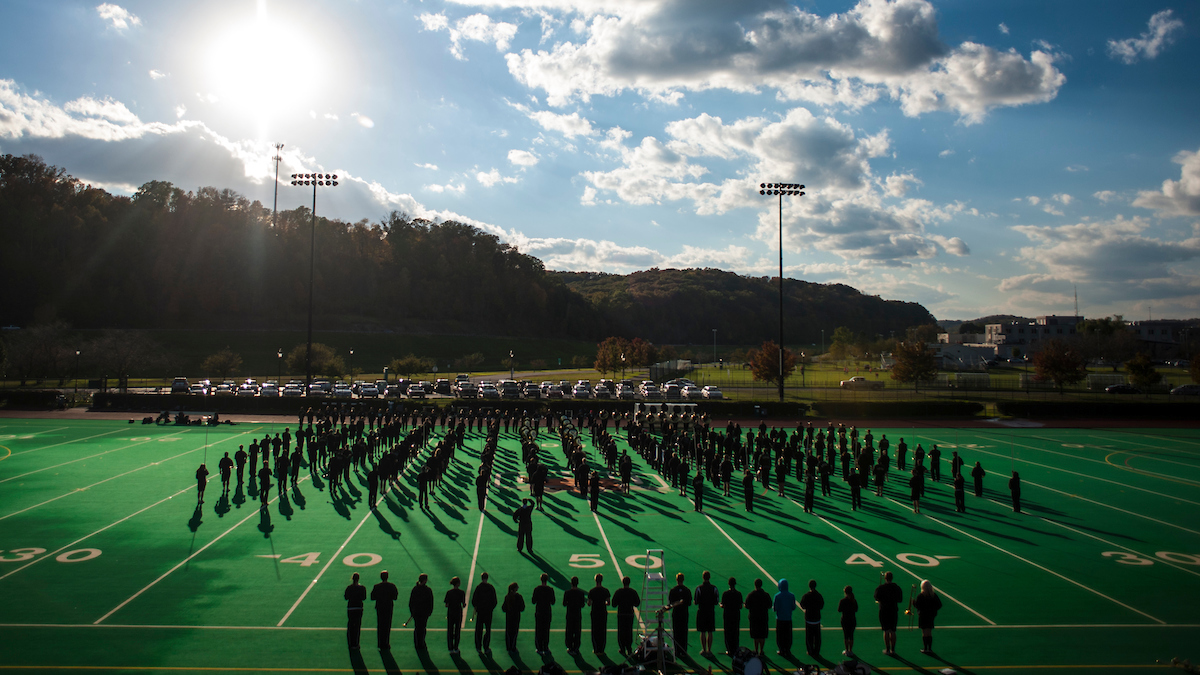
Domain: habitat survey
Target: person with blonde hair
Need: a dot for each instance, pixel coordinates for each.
(927, 604)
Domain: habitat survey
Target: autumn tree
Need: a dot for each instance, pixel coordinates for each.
(469, 363)
(609, 353)
(841, 344)
(1059, 362)
(914, 362)
(222, 364)
(411, 365)
(325, 360)
(764, 363)
(1141, 371)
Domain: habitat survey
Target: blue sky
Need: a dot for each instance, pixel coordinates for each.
(977, 157)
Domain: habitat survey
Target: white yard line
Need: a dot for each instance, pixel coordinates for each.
(1114, 545)
(1190, 465)
(914, 575)
(1110, 506)
(474, 558)
(323, 569)
(30, 473)
(185, 561)
(1031, 563)
(431, 629)
(55, 445)
(616, 565)
(88, 536)
(738, 546)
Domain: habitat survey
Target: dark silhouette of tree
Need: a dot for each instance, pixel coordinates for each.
(1194, 368)
(411, 364)
(222, 364)
(1059, 362)
(609, 353)
(325, 360)
(970, 327)
(764, 363)
(914, 362)
(1141, 371)
(469, 362)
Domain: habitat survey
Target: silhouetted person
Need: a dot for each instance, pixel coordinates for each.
(385, 595)
(978, 473)
(679, 615)
(960, 490)
(355, 594)
(201, 481)
(483, 601)
(785, 604)
(543, 600)
(889, 596)
(240, 458)
(225, 466)
(598, 599)
(455, 601)
(731, 613)
(758, 608)
(812, 603)
(626, 601)
(574, 599)
(1014, 487)
(523, 517)
(848, 608)
(420, 606)
(513, 605)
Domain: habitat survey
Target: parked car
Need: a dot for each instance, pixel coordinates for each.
(415, 390)
(602, 392)
(671, 392)
(650, 392)
(1186, 390)
(691, 392)
(223, 390)
(860, 382)
(1122, 389)
(581, 391)
(292, 391)
(467, 389)
(554, 391)
(342, 390)
(198, 389)
(442, 386)
(509, 389)
(712, 393)
(532, 391)
(368, 390)
(488, 390)
(269, 391)
(180, 386)
(626, 392)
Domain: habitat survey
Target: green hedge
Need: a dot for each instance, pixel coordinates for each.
(31, 399)
(895, 409)
(1125, 409)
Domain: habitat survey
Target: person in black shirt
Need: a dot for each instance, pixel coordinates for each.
(240, 458)
(812, 603)
(679, 615)
(420, 606)
(355, 594)
(513, 605)
(574, 599)
(706, 598)
(758, 608)
(927, 604)
(523, 517)
(731, 613)
(889, 596)
(935, 463)
(481, 488)
(1014, 486)
(914, 490)
(626, 600)
(748, 490)
(201, 481)
(698, 490)
(455, 601)
(848, 608)
(543, 608)
(960, 489)
(978, 473)
(598, 599)
(225, 466)
(483, 602)
(385, 595)
(855, 491)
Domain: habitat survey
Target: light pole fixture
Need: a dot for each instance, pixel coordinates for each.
(76, 373)
(277, 159)
(512, 365)
(714, 347)
(781, 190)
(315, 180)
(279, 371)
(622, 366)
(351, 366)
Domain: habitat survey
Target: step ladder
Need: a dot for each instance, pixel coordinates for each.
(655, 628)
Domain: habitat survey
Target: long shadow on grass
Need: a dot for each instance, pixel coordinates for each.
(357, 664)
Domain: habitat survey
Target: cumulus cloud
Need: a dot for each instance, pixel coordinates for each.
(460, 188)
(1003, 28)
(1105, 196)
(945, 153)
(1161, 32)
(1063, 198)
(660, 48)
(180, 111)
(522, 158)
(363, 120)
(118, 17)
(896, 185)
(157, 75)
(490, 178)
(476, 28)
(1177, 197)
(431, 167)
(571, 125)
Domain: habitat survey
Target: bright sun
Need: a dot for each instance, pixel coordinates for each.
(264, 67)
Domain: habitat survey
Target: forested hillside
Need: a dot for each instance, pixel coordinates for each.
(212, 259)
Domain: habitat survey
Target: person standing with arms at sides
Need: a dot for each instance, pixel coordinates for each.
(758, 608)
(420, 606)
(513, 605)
(543, 608)
(698, 490)
(812, 603)
(240, 458)
(978, 473)
(679, 614)
(385, 595)
(785, 603)
(748, 490)
(626, 600)
(956, 464)
(1014, 486)
(960, 493)
(855, 490)
(594, 487)
(889, 596)
(481, 488)
(483, 602)
(225, 466)
(914, 490)
(707, 597)
(355, 594)
(201, 482)
(264, 483)
(574, 599)
(901, 455)
(456, 600)
(848, 608)
(731, 613)
(927, 605)
(598, 599)
(523, 517)
(935, 463)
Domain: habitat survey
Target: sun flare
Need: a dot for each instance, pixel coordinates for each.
(265, 67)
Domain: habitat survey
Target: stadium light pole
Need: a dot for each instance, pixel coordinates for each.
(781, 190)
(76, 375)
(279, 371)
(512, 365)
(714, 347)
(277, 159)
(315, 180)
(351, 366)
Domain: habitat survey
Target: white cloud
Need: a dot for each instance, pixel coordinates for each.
(1034, 200)
(522, 158)
(431, 167)
(1105, 196)
(571, 125)
(117, 16)
(1160, 33)
(180, 111)
(1003, 28)
(1077, 168)
(896, 185)
(157, 75)
(460, 188)
(1177, 197)
(662, 48)
(477, 28)
(1053, 210)
(946, 153)
(493, 177)
(1063, 198)
(363, 120)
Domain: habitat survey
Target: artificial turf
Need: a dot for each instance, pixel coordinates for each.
(108, 563)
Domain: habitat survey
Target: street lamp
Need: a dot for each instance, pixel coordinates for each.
(76, 374)
(279, 370)
(714, 346)
(622, 366)
(315, 180)
(781, 190)
(512, 365)
(351, 366)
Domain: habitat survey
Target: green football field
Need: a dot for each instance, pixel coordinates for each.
(107, 562)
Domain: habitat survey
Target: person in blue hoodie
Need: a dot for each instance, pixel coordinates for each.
(785, 603)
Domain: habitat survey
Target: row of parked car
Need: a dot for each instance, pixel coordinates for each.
(460, 387)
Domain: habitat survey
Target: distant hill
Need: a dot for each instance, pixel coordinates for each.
(684, 306)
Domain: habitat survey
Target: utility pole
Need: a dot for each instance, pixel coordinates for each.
(275, 209)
